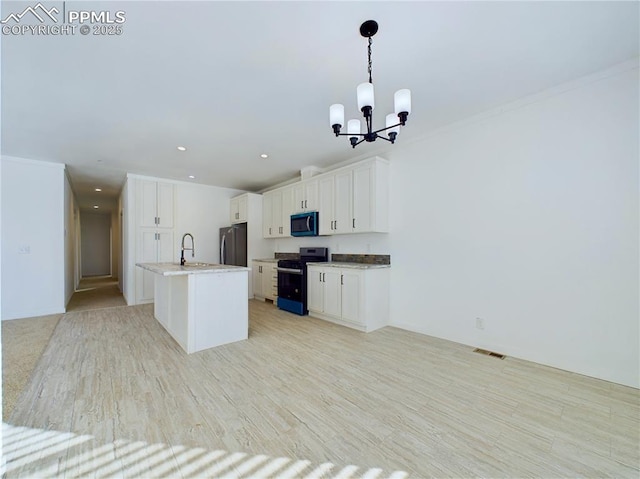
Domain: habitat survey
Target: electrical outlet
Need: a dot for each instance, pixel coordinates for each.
(26, 249)
(479, 323)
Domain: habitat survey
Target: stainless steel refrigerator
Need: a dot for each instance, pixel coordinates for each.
(233, 244)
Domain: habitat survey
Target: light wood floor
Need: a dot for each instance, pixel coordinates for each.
(114, 395)
(96, 293)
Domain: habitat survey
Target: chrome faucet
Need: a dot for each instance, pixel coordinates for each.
(182, 248)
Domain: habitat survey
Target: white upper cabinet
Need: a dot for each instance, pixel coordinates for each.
(351, 199)
(355, 199)
(276, 212)
(239, 209)
(370, 199)
(305, 196)
(155, 204)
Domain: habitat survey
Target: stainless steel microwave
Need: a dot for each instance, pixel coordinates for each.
(304, 224)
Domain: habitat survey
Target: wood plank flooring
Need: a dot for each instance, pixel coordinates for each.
(114, 395)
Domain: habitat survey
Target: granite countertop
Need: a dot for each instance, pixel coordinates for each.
(340, 264)
(174, 269)
(268, 260)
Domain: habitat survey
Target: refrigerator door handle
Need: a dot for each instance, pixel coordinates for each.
(222, 242)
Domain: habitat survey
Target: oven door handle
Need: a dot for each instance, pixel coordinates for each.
(289, 270)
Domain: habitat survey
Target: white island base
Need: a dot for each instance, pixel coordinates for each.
(202, 309)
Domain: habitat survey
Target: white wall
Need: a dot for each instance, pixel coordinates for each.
(33, 251)
(70, 215)
(96, 243)
(528, 219)
(201, 210)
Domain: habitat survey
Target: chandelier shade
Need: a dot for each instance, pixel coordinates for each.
(366, 104)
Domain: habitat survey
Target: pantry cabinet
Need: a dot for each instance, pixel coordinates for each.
(154, 233)
(354, 297)
(265, 280)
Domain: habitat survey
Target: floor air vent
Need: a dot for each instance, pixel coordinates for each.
(489, 353)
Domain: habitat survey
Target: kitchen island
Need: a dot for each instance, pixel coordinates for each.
(201, 305)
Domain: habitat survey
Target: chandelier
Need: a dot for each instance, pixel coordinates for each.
(366, 104)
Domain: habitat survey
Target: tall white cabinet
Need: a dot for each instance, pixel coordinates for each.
(154, 231)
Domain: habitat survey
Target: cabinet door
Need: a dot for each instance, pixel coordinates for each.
(342, 207)
(325, 205)
(256, 277)
(234, 210)
(267, 215)
(165, 205)
(315, 289)
(276, 214)
(242, 209)
(297, 193)
(166, 253)
(311, 196)
(332, 300)
(147, 253)
(287, 211)
(363, 200)
(266, 281)
(146, 198)
(351, 284)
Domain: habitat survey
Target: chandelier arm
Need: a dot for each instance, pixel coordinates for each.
(387, 128)
(356, 144)
(352, 134)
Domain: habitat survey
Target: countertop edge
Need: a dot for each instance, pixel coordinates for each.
(171, 269)
(337, 264)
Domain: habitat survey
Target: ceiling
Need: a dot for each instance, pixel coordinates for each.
(232, 80)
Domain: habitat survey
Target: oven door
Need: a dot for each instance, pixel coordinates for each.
(290, 283)
(291, 288)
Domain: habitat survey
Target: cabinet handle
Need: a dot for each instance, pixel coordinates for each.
(301, 204)
(354, 223)
(269, 230)
(320, 277)
(305, 204)
(341, 279)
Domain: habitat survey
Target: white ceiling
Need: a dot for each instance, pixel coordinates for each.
(231, 80)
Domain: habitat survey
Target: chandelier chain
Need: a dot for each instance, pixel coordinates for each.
(369, 51)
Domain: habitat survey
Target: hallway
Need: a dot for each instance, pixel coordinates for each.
(96, 292)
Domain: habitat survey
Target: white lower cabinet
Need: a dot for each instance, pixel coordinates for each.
(265, 280)
(354, 297)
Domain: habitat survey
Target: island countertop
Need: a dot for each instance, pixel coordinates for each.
(175, 269)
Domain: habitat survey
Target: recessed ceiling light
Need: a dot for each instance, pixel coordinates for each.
(98, 189)
(264, 155)
(191, 176)
(182, 148)
(95, 207)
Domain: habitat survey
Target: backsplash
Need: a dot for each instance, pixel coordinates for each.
(361, 258)
(287, 255)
